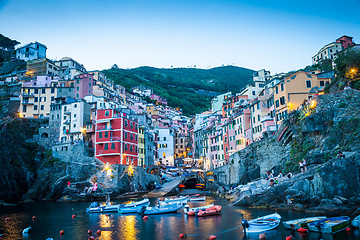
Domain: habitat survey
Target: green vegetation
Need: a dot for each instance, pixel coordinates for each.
(347, 67)
(298, 151)
(7, 47)
(190, 89)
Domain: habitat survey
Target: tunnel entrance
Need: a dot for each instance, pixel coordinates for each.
(191, 183)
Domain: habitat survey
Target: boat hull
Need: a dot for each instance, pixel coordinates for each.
(163, 209)
(301, 222)
(330, 225)
(264, 223)
(103, 209)
(133, 207)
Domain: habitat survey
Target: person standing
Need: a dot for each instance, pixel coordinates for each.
(301, 165)
(304, 165)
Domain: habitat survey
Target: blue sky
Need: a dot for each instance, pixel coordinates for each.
(276, 35)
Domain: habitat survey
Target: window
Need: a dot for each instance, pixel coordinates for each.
(308, 83)
(42, 107)
(105, 146)
(52, 99)
(322, 83)
(164, 138)
(131, 125)
(112, 145)
(43, 90)
(36, 99)
(77, 95)
(44, 99)
(282, 100)
(253, 93)
(276, 90)
(126, 147)
(282, 87)
(126, 123)
(106, 134)
(77, 88)
(77, 81)
(257, 106)
(258, 117)
(131, 148)
(75, 105)
(107, 113)
(277, 103)
(125, 135)
(131, 136)
(53, 90)
(35, 107)
(36, 91)
(100, 134)
(74, 125)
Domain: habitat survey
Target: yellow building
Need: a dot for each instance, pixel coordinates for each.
(291, 93)
(141, 146)
(152, 109)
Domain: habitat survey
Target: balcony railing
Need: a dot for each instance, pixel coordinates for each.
(67, 122)
(27, 103)
(99, 128)
(27, 94)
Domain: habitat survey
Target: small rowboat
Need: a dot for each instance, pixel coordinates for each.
(162, 209)
(209, 211)
(356, 222)
(133, 207)
(197, 198)
(330, 225)
(264, 223)
(180, 200)
(96, 208)
(191, 211)
(301, 222)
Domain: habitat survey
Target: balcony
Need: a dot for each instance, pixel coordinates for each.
(67, 122)
(271, 128)
(108, 152)
(27, 103)
(115, 139)
(100, 128)
(266, 118)
(27, 94)
(68, 112)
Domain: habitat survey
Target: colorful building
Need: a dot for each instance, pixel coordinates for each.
(116, 137)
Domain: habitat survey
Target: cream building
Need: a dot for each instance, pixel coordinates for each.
(327, 52)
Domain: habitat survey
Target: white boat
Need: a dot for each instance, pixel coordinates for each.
(179, 200)
(162, 209)
(301, 222)
(356, 222)
(188, 209)
(330, 225)
(197, 198)
(264, 223)
(133, 207)
(96, 208)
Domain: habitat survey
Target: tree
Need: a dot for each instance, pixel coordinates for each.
(6, 43)
(348, 65)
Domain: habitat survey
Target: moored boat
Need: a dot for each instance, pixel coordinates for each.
(179, 200)
(301, 222)
(264, 223)
(95, 207)
(209, 211)
(196, 198)
(330, 225)
(133, 207)
(170, 208)
(356, 222)
(191, 211)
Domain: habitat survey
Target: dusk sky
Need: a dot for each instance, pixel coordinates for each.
(276, 35)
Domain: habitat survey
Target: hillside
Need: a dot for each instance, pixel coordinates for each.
(188, 88)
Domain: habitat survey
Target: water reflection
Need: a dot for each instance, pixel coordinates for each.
(127, 224)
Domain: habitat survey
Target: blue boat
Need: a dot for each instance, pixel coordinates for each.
(264, 223)
(170, 208)
(330, 225)
(133, 207)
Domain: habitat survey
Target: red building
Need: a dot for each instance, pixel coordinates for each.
(345, 41)
(116, 140)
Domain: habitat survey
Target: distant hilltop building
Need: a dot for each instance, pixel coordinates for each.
(31, 51)
(329, 50)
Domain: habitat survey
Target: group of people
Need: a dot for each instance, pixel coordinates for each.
(270, 175)
(302, 165)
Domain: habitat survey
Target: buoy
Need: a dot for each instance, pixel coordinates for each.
(62, 232)
(145, 217)
(91, 238)
(289, 237)
(212, 237)
(302, 230)
(107, 215)
(89, 231)
(262, 236)
(34, 217)
(348, 229)
(98, 232)
(73, 216)
(182, 235)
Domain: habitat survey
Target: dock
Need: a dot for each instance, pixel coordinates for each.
(166, 188)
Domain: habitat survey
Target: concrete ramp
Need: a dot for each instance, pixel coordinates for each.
(165, 189)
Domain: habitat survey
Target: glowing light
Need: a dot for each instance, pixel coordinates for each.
(353, 70)
(107, 167)
(312, 104)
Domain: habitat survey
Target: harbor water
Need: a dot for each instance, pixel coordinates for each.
(52, 217)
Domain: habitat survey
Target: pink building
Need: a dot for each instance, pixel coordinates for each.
(83, 85)
(159, 99)
(42, 81)
(345, 41)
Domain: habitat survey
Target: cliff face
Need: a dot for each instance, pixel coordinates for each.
(332, 127)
